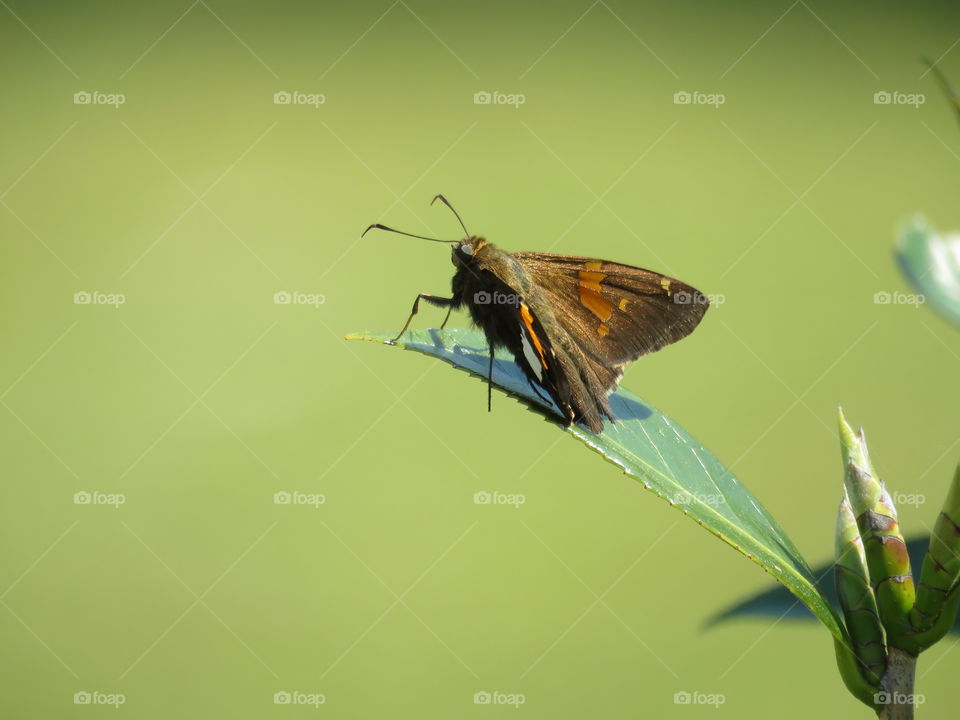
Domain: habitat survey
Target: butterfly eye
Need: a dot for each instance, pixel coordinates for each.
(466, 249)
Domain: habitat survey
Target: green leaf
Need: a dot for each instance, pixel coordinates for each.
(850, 668)
(653, 449)
(937, 592)
(931, 262)
(884, 549)
(851, 575)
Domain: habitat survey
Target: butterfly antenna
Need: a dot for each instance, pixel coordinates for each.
(378, 226)
(446, 202)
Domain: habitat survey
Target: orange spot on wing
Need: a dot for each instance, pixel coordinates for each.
(623, 304)
(590, 296)
(593, 265)
(528, 323)
(596, 303)
(591, 280)
(602, 330)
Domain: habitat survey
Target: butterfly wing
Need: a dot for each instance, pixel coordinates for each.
(615, 312)
(580, 320)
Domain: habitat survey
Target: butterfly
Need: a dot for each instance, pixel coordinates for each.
(571, 323)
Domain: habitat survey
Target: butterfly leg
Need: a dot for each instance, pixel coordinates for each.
(433, 300)
(444, 323)
(490, 382)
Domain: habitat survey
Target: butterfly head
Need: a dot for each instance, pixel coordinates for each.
(464, 251)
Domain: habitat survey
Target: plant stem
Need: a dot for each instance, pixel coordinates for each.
(896, 687)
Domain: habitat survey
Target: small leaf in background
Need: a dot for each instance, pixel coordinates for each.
(777, 602)
(931, 263)
(655, 450)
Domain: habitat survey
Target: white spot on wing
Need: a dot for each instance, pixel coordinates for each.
(530, 354)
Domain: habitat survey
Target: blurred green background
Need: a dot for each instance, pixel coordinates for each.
(200, 397)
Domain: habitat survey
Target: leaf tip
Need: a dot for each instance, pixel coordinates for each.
(847, 436)
(368, 336)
